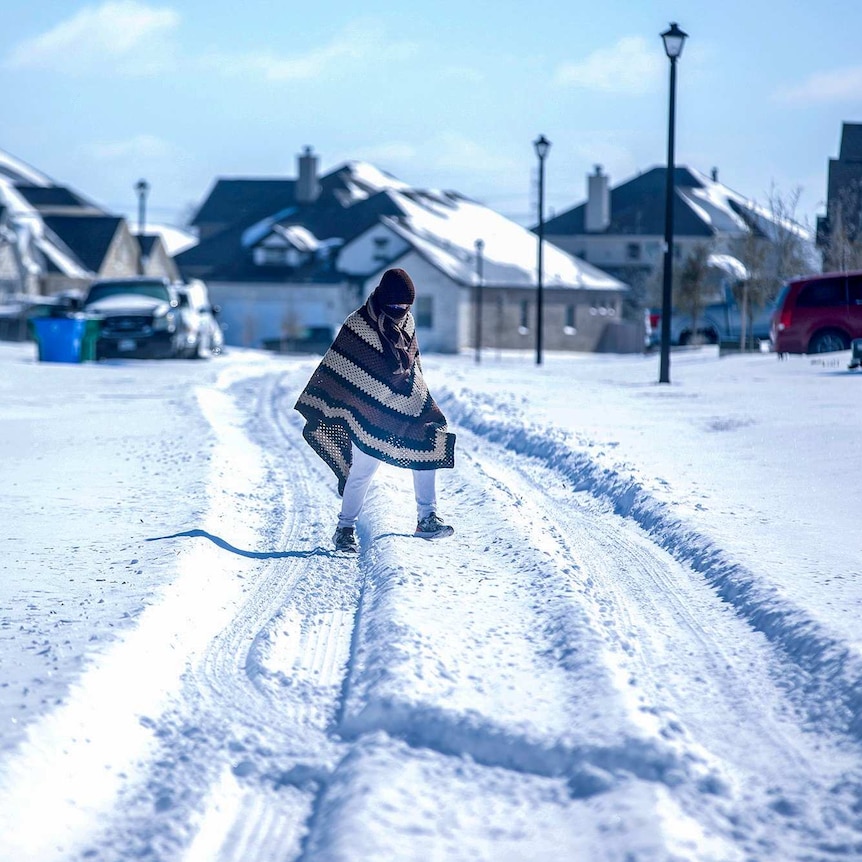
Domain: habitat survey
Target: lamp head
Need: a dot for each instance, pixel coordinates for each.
(542, 145)
(674, 39)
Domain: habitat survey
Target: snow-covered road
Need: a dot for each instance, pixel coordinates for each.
(567, 678)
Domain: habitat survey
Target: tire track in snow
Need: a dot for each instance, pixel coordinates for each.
(246, 747)
(830, 685)
(693, 671)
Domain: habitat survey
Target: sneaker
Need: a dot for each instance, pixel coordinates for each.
(432, 528)
(345, 539)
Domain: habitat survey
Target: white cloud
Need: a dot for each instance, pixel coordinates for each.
(837, 85)
(631, 66)
(139, 147)
(354, 43)
(126, 35)
(387, 155)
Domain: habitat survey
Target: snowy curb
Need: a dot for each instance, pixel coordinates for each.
(834, 668)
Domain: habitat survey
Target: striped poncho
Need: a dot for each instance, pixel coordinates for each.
(357, 395)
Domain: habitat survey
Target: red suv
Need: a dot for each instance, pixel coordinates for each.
(818, 314)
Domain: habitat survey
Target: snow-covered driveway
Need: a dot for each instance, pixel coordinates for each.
(565, 679)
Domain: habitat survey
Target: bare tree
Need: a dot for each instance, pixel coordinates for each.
(753, 251)
(691, 286)
(789, 242)
(843, 246)
(775, 248)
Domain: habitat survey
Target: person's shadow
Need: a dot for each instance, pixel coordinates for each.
(253, 555)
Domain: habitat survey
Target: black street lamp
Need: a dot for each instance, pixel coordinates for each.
(480, 280)
(542, 145)
(674, 39)
(142, 187)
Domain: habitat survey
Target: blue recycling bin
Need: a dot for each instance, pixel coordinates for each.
(59, 338)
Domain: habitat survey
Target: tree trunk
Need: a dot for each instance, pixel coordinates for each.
(743, 316)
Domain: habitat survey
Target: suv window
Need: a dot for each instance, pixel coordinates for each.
(828, 292)
(854, 285)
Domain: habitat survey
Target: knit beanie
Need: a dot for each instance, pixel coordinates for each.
(395, 288)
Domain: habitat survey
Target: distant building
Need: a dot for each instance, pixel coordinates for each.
(621, 229)
(839, 232)
(53, 240)
(287, 260)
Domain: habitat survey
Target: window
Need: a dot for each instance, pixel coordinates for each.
(264, 256)
(854, 285)
(633, 251)
(827, 292)
(524, 326)
(569, 328)
(423, 312)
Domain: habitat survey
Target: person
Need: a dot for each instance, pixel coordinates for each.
(367, 403)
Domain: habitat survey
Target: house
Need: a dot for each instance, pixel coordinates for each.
(621, 229)
(54, 240)
(839, 232)
(288, 260)
(155, 258)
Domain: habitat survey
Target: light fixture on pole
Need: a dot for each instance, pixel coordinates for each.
(674, 39)
(480, 280)
(142, 187)
(542, 145)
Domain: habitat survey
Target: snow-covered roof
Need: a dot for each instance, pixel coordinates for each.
(728, 264)
(724, 209)
(175, 239)
(28, 228)
(444, 228)
(17, 171)
(363, 179)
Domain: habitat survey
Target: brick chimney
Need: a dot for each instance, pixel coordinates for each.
(598, 212)
(307, 186)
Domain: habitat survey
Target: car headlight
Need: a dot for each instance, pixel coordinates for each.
(164, 322)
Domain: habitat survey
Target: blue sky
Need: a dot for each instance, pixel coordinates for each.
(446, 94)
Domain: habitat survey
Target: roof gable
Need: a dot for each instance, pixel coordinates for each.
(47, 198)
(89, 237)
(232, 201)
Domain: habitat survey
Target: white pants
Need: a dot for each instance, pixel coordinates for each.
(359, 479)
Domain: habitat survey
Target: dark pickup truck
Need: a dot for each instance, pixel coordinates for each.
(140, 318)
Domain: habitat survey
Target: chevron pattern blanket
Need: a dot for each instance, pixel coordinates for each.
(356, 395)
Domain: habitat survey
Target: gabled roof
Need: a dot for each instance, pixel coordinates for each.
(16, 171)
(147, 241)
(88, 236)
(243, 200)
(47, 198)
(444, 229)
(441, 226)
(347, 206)
(637, 207)
(703, 207)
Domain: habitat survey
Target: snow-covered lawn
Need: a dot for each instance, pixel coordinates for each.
(643, 641)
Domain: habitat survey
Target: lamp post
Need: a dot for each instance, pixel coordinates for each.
(674, 39)
(480, 246)
(142, 187)
(542, 145)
